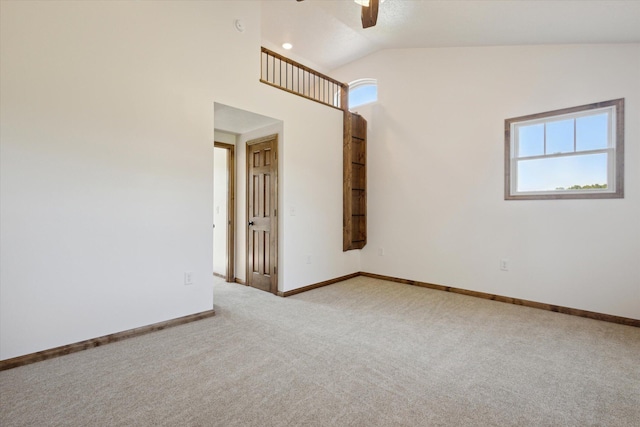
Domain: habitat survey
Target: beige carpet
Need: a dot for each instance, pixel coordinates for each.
(358, 353)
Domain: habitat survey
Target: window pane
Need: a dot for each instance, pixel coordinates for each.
(363, 95)
(560, 137)
(592, 132)
(531, 140)
(563, 173)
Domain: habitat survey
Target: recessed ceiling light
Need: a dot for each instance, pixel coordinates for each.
(287, 46)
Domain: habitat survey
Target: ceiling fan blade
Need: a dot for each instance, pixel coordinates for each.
(370, 14)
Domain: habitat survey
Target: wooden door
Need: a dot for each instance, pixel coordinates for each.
(262, 204)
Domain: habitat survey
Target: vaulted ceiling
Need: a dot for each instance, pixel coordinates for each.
(328, 33)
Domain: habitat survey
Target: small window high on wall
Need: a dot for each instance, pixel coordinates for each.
(574, 153)
(363, 91)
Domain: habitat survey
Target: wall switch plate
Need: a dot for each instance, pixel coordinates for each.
(504, 264)
(308, 259)
(380, 251)
(188, 277)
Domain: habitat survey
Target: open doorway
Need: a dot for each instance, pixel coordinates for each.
(233, 129)
(224, 195)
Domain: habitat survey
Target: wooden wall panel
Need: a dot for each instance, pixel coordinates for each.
(355, 182)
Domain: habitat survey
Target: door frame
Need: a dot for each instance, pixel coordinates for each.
(274, 223)
(230, 270)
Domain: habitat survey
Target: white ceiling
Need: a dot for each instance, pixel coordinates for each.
(327, 34)
(237, 121)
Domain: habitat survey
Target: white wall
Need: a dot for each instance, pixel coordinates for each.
(220, 206)
(106, 164)
(436, 201)
(107, 128)
(226, 137)
(312, 205)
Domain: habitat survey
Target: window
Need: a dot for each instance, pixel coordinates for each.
(363, 91)
(574, 153)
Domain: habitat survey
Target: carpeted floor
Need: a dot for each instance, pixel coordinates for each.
(363, 352)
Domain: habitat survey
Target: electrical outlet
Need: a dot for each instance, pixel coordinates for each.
(504, 264)
(308, 259)
(380, 251)
(188, 277)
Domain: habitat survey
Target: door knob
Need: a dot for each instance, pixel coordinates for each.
(250, 223)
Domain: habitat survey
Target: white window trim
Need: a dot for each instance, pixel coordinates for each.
(614, 151)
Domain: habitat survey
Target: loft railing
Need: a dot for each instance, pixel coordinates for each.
(293, 77)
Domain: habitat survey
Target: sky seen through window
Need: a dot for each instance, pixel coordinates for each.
(567, 138)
